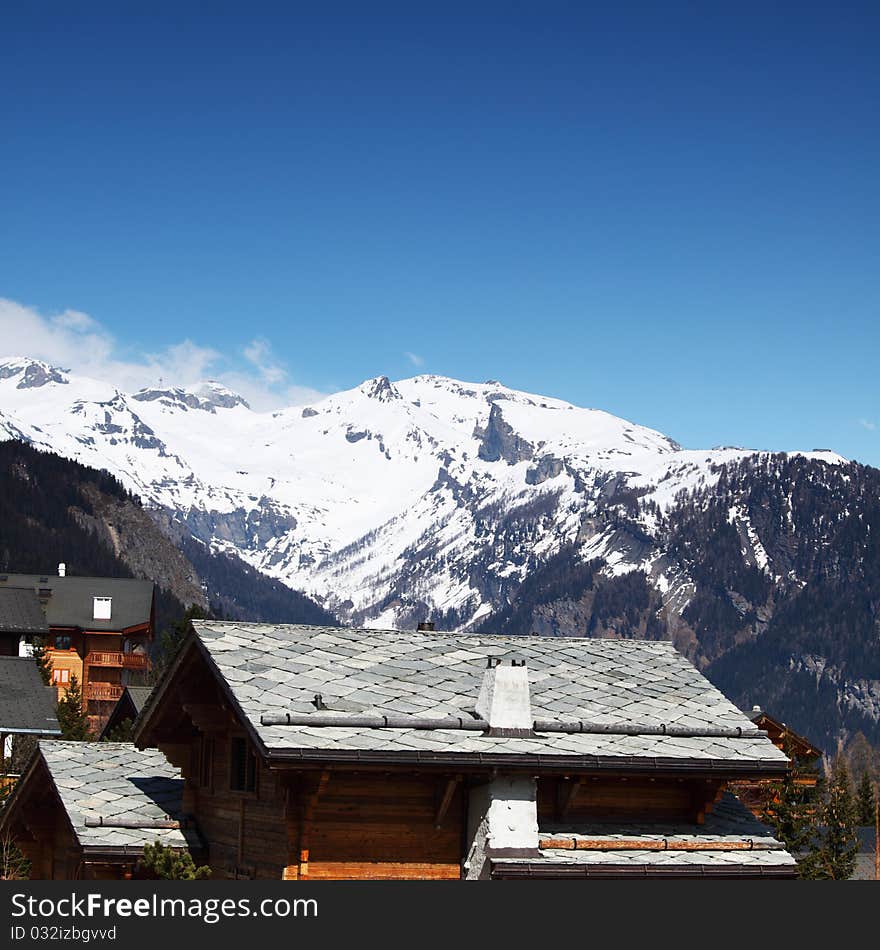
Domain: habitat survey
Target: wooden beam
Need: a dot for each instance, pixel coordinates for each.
(445, 800)
(207, 717)
(305, 826)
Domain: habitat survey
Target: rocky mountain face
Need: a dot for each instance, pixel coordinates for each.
(478, 506)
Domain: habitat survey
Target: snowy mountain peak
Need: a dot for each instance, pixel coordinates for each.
(380, 500)
(381, 388)
(207, 396)
(31, 374)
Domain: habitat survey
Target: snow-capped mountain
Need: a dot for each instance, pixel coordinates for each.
(376, 501)
(478, 506)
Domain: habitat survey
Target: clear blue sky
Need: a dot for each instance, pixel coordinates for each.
(669, 211)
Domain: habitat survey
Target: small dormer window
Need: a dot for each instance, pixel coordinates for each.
(102, 608)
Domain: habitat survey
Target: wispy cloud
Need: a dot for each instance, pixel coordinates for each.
(867, 424)
(76, 341)
(414, 358)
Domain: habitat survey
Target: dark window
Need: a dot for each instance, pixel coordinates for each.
(242, 767)
(62, 642)
(206, 763)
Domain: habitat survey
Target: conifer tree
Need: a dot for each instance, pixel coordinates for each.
(43, 661)
(834, 856)
(72, 715)
(789, 808)
(865, 799)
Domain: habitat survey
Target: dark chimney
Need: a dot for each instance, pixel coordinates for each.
(425, 626)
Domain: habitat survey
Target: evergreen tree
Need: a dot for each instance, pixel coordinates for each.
(833, 856)
(170, 640)
(865, 801)
(72, 716)
(43, 661)
(169, 864)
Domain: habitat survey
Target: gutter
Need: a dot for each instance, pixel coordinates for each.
(562, 763)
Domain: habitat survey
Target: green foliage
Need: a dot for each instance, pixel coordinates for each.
(866, 799)
(169, 864)
(832, 855)
(72, 715)
(43, 661)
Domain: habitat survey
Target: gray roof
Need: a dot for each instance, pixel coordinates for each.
(20, 612)
(71, 601)
(128, 706)
(619, 686)
(139, 696)
(26, 704)
(116, 782)
(731, 840)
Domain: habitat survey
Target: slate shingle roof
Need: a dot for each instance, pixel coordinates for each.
(275, 669)
(71, 601)
(20, 612)
(116, 781)
(26, 704)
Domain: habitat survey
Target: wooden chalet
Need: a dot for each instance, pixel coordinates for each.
(98, 629)
(85, 810)
(333, 753)
(805, 758)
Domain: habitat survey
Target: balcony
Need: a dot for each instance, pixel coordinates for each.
(103, 692)
(128, 661)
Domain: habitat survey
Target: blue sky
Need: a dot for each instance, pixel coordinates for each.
(668, 211)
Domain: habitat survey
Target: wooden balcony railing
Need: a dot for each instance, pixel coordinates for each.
(128, 661)
(103, 691)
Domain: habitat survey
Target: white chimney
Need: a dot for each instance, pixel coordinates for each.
(504, 700)
(62, 569)
(102, 609)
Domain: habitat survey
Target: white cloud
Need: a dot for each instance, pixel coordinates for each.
(414, 358)
(867, 424)
(259, 354)
(76, 341)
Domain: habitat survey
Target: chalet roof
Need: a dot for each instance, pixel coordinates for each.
(780, 731)
(615, 701)
(26, 704)
(128, 706)
(70, 600)
(20, 612)
(104, 785)
(730, 841)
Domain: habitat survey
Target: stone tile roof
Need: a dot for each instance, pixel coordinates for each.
(70, 601)
(20, 612)
(26, 704)
(617, 684)
(116, 782)
(730, 840)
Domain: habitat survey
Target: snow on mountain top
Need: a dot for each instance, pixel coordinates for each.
(339, 497)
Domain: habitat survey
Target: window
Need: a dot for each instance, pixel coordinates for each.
(103, 608)
(242, 767)
(206, 763)
(60, 677)
(62, 641)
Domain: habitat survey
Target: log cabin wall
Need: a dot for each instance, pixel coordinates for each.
(368, 825)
